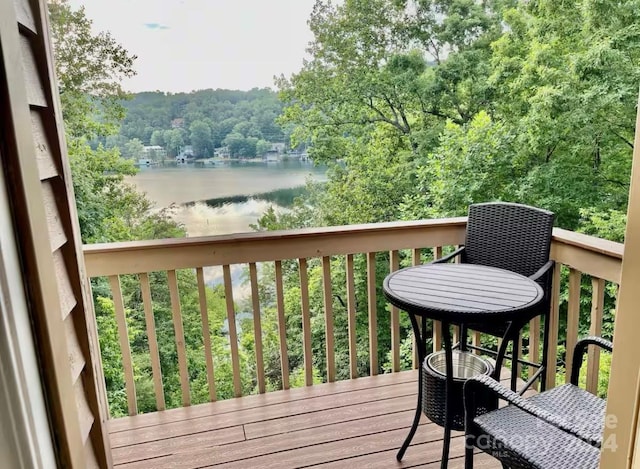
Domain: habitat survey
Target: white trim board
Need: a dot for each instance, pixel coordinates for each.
(25, 436)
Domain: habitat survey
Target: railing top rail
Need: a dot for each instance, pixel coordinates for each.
(588, 243)
(149, 256)
(593, 256)
(327, 231)
(589, 254)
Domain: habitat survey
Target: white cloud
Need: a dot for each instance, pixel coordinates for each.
(155, 26)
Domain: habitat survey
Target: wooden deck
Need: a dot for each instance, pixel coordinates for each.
(356, 423)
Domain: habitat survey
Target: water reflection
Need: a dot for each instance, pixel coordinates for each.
(279, 197)
(225, 199)
(187, 183)
(203, 219)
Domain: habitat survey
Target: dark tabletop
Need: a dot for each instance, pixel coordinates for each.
(461, 292)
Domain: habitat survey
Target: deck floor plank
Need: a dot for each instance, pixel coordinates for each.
(259, 400)
(355, 423)
(328, 417)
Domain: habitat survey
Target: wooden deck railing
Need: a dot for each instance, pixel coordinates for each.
(582, 254)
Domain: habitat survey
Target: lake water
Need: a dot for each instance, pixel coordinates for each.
(227, 198)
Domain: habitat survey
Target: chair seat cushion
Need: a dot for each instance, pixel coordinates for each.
(521, 440)
(576, 407)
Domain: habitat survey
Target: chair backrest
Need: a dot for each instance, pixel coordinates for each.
(509, 236)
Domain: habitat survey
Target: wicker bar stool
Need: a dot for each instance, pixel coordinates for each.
(513, 237)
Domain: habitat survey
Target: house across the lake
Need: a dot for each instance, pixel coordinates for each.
(222, 152)
(154, 152)
(185, 154)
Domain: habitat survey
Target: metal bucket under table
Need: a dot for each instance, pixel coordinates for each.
(465, 366)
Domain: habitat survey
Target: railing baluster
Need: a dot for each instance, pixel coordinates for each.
(206, 333)
(257, 327)
(394, 260)
(597, 311)
(415, 260)
(179, 332)
(475, 341)
(233, 335)
(373, 313)
(598, 258)
(282, 327)
(328, 319)
(351, 318)
(123, 336)
(306, 322)
(437, 326)
(573, 318)
(518, 346)
(153, 342)
(534, 345)
(554, 324)
(456, 328)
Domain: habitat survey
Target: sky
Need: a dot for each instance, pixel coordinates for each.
(186, 45)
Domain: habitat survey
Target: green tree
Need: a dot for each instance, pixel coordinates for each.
(89, 67)
(236, 144)
(201, 138)
(134, 149)
(174, 140)
(262, 147)
(111, 210)
(476, 161)
(158, 138)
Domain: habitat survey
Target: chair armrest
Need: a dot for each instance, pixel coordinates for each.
(580, 350)
(546, 268)
(484, 383)
(448, 257)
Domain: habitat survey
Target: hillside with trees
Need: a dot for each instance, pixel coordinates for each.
(430, 105)
(242, 121)
(436, 104)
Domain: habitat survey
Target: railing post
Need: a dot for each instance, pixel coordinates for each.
(597, 310)
(180, 343)
(306, 322)
(437, 325)
(573, 318)
(206, 333)
(351, 312)
(328, 319)
(233, 335)
(257, 327)
(554, 323)
(373, 313)
(394, 260)
(415, 260)
(282, 327)
(153, 343)
(125, 348)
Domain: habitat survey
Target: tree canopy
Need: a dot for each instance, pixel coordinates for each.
(205, 119)
(420, 107)
(524, 101)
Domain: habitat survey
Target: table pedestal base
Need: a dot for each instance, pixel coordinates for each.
(420, 335)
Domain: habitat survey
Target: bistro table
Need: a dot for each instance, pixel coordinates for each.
(458, 294)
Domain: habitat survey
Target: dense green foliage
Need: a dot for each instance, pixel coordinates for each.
(431, 105)
(207, 119)
(525, 101)
(420, 107)
(89, 69)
